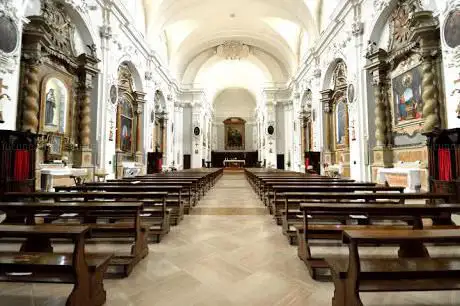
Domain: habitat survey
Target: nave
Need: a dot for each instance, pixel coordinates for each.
(228, 251)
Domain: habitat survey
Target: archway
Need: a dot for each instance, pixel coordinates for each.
(335, 106)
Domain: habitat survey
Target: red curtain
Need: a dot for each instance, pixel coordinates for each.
(444, 165)
(159, 165)
(21, 165)
(307, 162)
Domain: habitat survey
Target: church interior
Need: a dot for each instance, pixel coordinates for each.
(244, 152)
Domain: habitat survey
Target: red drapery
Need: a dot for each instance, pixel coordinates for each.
(21, 165)
(159, 165)
(444, 165)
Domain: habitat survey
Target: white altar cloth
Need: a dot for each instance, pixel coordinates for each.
(413, 177)
(234, 161)
(48, 175)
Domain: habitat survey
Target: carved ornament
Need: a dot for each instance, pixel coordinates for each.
(233, 50)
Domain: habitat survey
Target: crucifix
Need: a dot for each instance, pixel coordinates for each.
(2, 96)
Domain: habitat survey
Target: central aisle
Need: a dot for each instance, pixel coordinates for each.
(228, 252)
(231, 252)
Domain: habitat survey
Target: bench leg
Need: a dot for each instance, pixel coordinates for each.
(339, 297)
(413, 250)
(98, 293)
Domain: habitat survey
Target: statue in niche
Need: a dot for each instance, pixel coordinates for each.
(50, 107)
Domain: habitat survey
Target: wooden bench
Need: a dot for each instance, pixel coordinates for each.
(188, 193)
(156, 213)
(295, 192)
(324, 222)
(354, 274)
(173, 200)
(99, 216)
(33, 264)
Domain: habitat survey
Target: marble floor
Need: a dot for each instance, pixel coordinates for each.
(228, 251)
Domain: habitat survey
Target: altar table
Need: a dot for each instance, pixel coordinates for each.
(408, 177)
(237, 162)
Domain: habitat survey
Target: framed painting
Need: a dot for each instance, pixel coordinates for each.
(10, 35)
(341, 122)
(407, 97)
(126, 134)
(452, 29)
(234, 134)
(55, 148)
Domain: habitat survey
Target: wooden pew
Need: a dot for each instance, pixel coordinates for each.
(325, 222)
(155, 211)
(189, 192)
(35, 264)
(355, 274)
(91, 214)
(283, 213)
(175, 202)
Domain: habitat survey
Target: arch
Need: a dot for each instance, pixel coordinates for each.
(159, 100)
(306, 98)
(378, 23)
(329, 75)
(137, 80)
(83, 23)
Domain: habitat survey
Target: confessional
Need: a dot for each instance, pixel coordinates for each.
(17, 161)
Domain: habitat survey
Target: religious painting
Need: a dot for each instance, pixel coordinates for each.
(341, 121)
(113, 94)
(54, 106)
(9, 34)
(234, 133)
(351, 93)
(452, 29)
(126, 126)
(55, 145)
(407, 96)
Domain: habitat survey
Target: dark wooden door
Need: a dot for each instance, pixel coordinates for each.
(280, 161)
(187, 161)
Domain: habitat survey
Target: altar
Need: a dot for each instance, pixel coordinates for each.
(408, 177)
(48, 174)
(238, 163)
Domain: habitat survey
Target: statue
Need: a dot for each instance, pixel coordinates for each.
(49, 107)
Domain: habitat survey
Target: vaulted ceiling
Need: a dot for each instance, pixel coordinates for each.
(277, 34)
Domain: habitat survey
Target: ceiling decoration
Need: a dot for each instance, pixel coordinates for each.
(233, 50)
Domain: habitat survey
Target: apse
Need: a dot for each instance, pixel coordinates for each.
(236, 102)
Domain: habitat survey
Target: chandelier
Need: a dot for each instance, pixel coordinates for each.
(233, 50)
